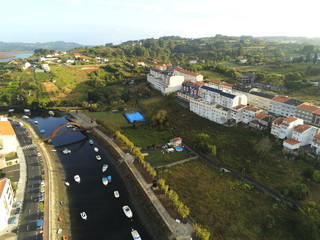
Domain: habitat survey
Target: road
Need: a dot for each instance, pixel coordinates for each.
(30, 212)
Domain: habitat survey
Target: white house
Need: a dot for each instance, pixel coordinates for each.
(283, 127)
(237, 112)
(45, 67)
(291, 144)
(304, 134)
(177, 141)
(8, 139)
(193, 77)
(249, 113)
(6, 202)
(26, 65)
(316, 144)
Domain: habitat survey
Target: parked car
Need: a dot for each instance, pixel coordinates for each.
(12, 220)
(17, 211)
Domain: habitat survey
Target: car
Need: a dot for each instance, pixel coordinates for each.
(41, 199)
(17, 211)
(12, 220)
(38, 154)
(18, 204)
(42, 183)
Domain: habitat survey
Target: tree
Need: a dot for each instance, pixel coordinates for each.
(2, 174)
(160, 119)
(316, 176)
(270, 221)
(263, 146)
(298, 191)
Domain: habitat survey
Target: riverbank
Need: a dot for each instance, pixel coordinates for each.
(4, 55)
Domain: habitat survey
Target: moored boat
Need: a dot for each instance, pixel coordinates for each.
(109, 178)
(127, 211)
(96, 149)
(104, 167)
(135, 235)
(90, 141)
(77, 178)
(66, 151)
(116, 194)
(105, 181)
(67, 184)
(83, 215)
(36, 122)
(98, 157)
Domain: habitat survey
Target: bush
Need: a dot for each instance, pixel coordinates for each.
(298, 191)
(11, 155)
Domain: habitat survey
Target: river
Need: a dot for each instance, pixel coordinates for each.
(106, 219)
(16, 55)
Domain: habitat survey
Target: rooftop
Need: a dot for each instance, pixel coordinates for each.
(252, 108)
(308, 107)
(179, 69)
(6, 128)
(263, 94)
(212, 89)
(291, 141)
(294, 102)
(3, 182)
(290, 119)
(261, 115)
(280, 99)
(302, 128)
(228, 95)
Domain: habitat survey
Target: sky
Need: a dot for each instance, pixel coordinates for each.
(97, 22)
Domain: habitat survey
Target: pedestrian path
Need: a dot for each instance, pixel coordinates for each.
(28, 146)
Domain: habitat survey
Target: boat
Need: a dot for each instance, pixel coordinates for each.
(127, 211)
(36, 122)
(77, 178)
(104, 167)
(96, 149)
(51, 113)
(60, 218)
(67, 184)
(109, 178)
(105, 181)
(135, 234)
(90, 141)
(25, 117)
(66, 151)
(69, 126)
(83, 215)
(116, 194)
(42, 131)
(98, 157)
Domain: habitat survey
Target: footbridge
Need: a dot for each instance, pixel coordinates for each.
(77, 128)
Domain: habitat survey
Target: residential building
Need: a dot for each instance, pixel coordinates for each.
(249, 113)
(190, 90)
(45, 67)
(291, 107)
(236, 113)
(283, 127)
(8, 139)
(260, 99)
(193, 77)
(316, 118)
(315, 144)
(176, 142)
(278, 106)
(306, 112)
(264, 120)
(247, 78)
(302, 135)
(6, 202)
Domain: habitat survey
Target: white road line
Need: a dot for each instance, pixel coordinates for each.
(31, 199)
(29, 211)
(27, 227)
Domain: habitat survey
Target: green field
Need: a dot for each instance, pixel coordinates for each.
(159, 157)
(114, 120)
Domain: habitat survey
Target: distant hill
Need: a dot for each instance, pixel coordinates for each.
(19, 46)
(315, 41)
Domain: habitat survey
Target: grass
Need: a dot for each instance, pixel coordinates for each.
(157, 158)
(227, 207)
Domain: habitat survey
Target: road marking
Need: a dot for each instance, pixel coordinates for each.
(31, 199)
(29, 210)
(27, 227)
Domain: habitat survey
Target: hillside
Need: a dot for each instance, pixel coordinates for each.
(20, 46)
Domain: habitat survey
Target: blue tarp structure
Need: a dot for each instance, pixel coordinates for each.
(134, 117)
(39, 224)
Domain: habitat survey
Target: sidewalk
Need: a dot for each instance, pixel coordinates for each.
(180, 231)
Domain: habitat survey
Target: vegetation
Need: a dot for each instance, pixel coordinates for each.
(11, 155)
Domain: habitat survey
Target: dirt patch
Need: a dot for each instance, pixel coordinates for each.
(53, 91)
(89, 69)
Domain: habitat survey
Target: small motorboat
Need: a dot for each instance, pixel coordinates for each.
(96, 149)
(127, 211)
(67, 184)
(83, 215)
(70, 126)
(66, 151)
(90, 141)
(109, 178)
(104, 167)
(98, 157)
(116, 194)
(135, 234)
(42, 131)
(36, 122)
(25, 117)
(77, 178)
(105, 181)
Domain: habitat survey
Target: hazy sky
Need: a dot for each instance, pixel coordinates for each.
(98, 22)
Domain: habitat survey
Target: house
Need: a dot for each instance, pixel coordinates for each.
(76, 55)
(302, 135)
(26, 65)
(263, 119)
(283, 127)
(291, 144)
(315, 144)
(249, 113)
(8, 139)
(193, 77)
(46, 67)
(176, 142)
(142, 64)
(306, 112)
(260, 99)
(6, 200)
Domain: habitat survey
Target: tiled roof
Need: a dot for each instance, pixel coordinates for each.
(252, 108)
(227, 85)
(176, 139)
(280, 99)
(302, 128)
(317, 112)
(2, 184)
(308, 107)
(186, 72)
(215, 81)
(261, 115)
(239, 106)
(290, 119)
(317, 136)
(6, 128)
(291, 141)
(278, 120)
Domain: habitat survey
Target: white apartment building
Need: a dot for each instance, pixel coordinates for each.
(213, 112)
(8, 139)
(306, 112)
(6, 202)
(236, 113)
(304, 134)
(189, 76)
(249, 113)
(260, 99)
(278, 106)
(315, 144)
(283, 127)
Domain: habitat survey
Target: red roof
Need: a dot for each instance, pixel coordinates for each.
(227, 85)
(251, 108)
(302, 128)
(317, 136)
(6, 128)
(278, 120)
(308, 107)
(261, 115)
(176, 139)
(215, 81)
(239, 106)
(291, 141)
(290, 119)
(186, 72)
(280, 99)
(2, 184)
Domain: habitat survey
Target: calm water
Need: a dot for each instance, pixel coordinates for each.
(106, 219)
(16, 55)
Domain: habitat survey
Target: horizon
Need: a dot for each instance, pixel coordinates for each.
(98, 22)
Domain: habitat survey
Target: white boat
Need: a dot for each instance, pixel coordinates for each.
(83, 215)
(36, 122)
(98, 157)
(105, 181)
(116, 194)
(135, 234)
(51, 113)
(96, 149)
(67, 184)
(25, 117)
(104, 167)
(66, 151)
(69, 126)
(127, 211)
(77, 178)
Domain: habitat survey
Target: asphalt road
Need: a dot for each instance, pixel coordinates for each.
(30, 212)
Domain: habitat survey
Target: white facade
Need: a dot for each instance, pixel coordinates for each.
(260, 100)
(190, 76)
(249, 113)
(6, 202)
(237, 112)
(283, 127)
(214, 113)
(316, 143)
